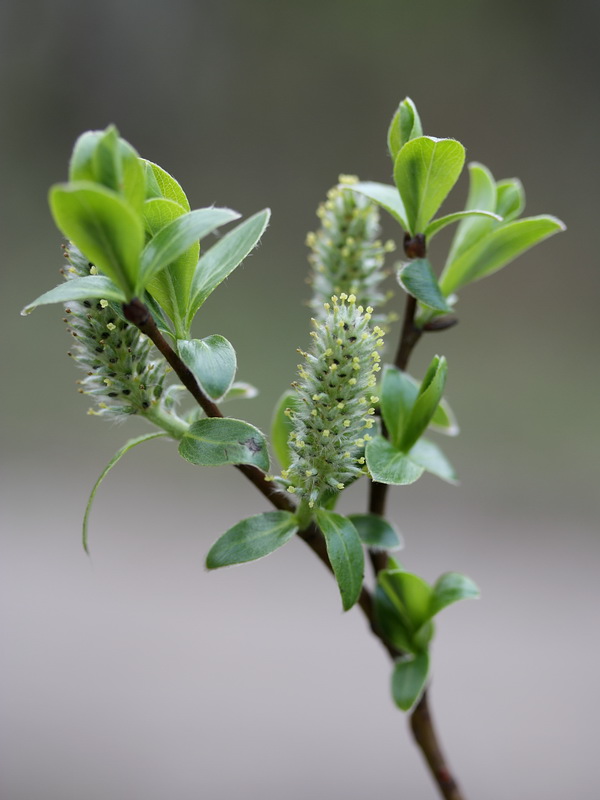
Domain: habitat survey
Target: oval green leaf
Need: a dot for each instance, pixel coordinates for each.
(212, 362)
(425, 171)
(385, 196)
(408, 680)
(450, 588)
(441, 222)
(252, 538)
(418, 279)
(104, 227)
(216, 441)
(281, 427)
(405, 125)
(388, 465)
(164, 185)
(410, 595)
(398, 394)
(376, 532)
(86, 288)
(345, 554)
(429, 456)
(427, 401)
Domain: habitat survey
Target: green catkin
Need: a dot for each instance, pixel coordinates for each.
(334, 412)
(346, 254)
(122, 377)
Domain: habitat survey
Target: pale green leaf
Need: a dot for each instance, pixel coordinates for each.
(429, 456)
(345, 554)
(252, 538)
(86, 288)
(450, 588)
(418, 279)
(164, 185)
(441, 222)
(408, 680)
(223, 257)
(116, 458)
(212, 361)
(430, 394)
(103, 226)
(405, 125)
(388, 465)
(385, 196)
(482, 196)
(511, 198)
(398, 395)
(425, 171)
(282, 426)
(217, 441)
(376, 532)
(239, 390)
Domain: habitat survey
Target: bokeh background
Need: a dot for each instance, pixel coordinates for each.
(134, 673)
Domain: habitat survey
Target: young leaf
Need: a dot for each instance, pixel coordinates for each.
(176, 237)
(443, 420)
(385, 196)
(216, 441)
(418, 279)
(450, 588)
(497, 249)
(114, 460)
(408, 680)
(103, 226)
(162, 184)
(376, 532)
(240, 390)
(425, 171)
(482, 196)
(429, 396)
(398, 394)
(281, 427)
(410, 595)
(212, 362)
(252, 538)
(223, 257)
(388, 465)
(345, 554)
(106, 161)
(94, 286)
(510, 200)
(429, 456)
(405, 125)
(81, 167)
(441, 222)
(391, 624)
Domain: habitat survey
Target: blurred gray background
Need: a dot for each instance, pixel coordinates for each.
(134, 673)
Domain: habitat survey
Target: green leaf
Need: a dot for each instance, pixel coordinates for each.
(103, 226)
(116, 458)
(87, 288)
(162, 184)
(390, 623)
(443, 420)
(345, 554)
(176, 237)
(497, 249)
(430, 394)
(385, 196)
(425, 171)
(398, 395)
(410, 595)
(441, 222)
(212, 362)
(429, 456)
(376, 532)
(405, 125)
(450, 588)
(510, 200)
(408, 680)
(216, 441)
(418, 279)
(252, 538)
(133, 184)
(171, 287)
(482, 196)
(240, 390)
(81, 166)
(106, 161)
(281, 427)
(223, 257)
(388, 465)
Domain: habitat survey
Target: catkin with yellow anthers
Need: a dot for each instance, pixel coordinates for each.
(346, 255)
(123, 375)
(331, 415)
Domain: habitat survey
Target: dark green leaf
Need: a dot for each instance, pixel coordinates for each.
(429, 396)
(428, 455)
(116, 458)
(212, 442)
(345, 554)
(390, 623)
(252, 538)
(212, 362)
(281, 427)
(376, 532)
(223, 257)
(176, 237)
(94, 286)
(450, 588)
(425, 171)
(398, 395)
(418, 279)
(388, 465)
(409, 679)
(497, 249)
(385, 196)
(405, 125)
(410, 595)
(103, 226)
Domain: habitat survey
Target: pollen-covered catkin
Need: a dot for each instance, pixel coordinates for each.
(346, 254)
(334, 411)
(122, 377)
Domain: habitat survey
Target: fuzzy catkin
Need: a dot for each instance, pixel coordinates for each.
(346, 254)
(122, 377)
(334, 408)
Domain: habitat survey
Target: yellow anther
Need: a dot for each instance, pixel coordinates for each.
(369, 309)
(361, 460)
(326, 434)
(313, 413)
(341, 405)
(93, 270)
(111, 326)
(374, 398)
(352, 381)
(352, 298)
(367, 437)
(346, 423)
(103, 303)
(291, 489)
(348, 179)
(340, 486)
(369, 423)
